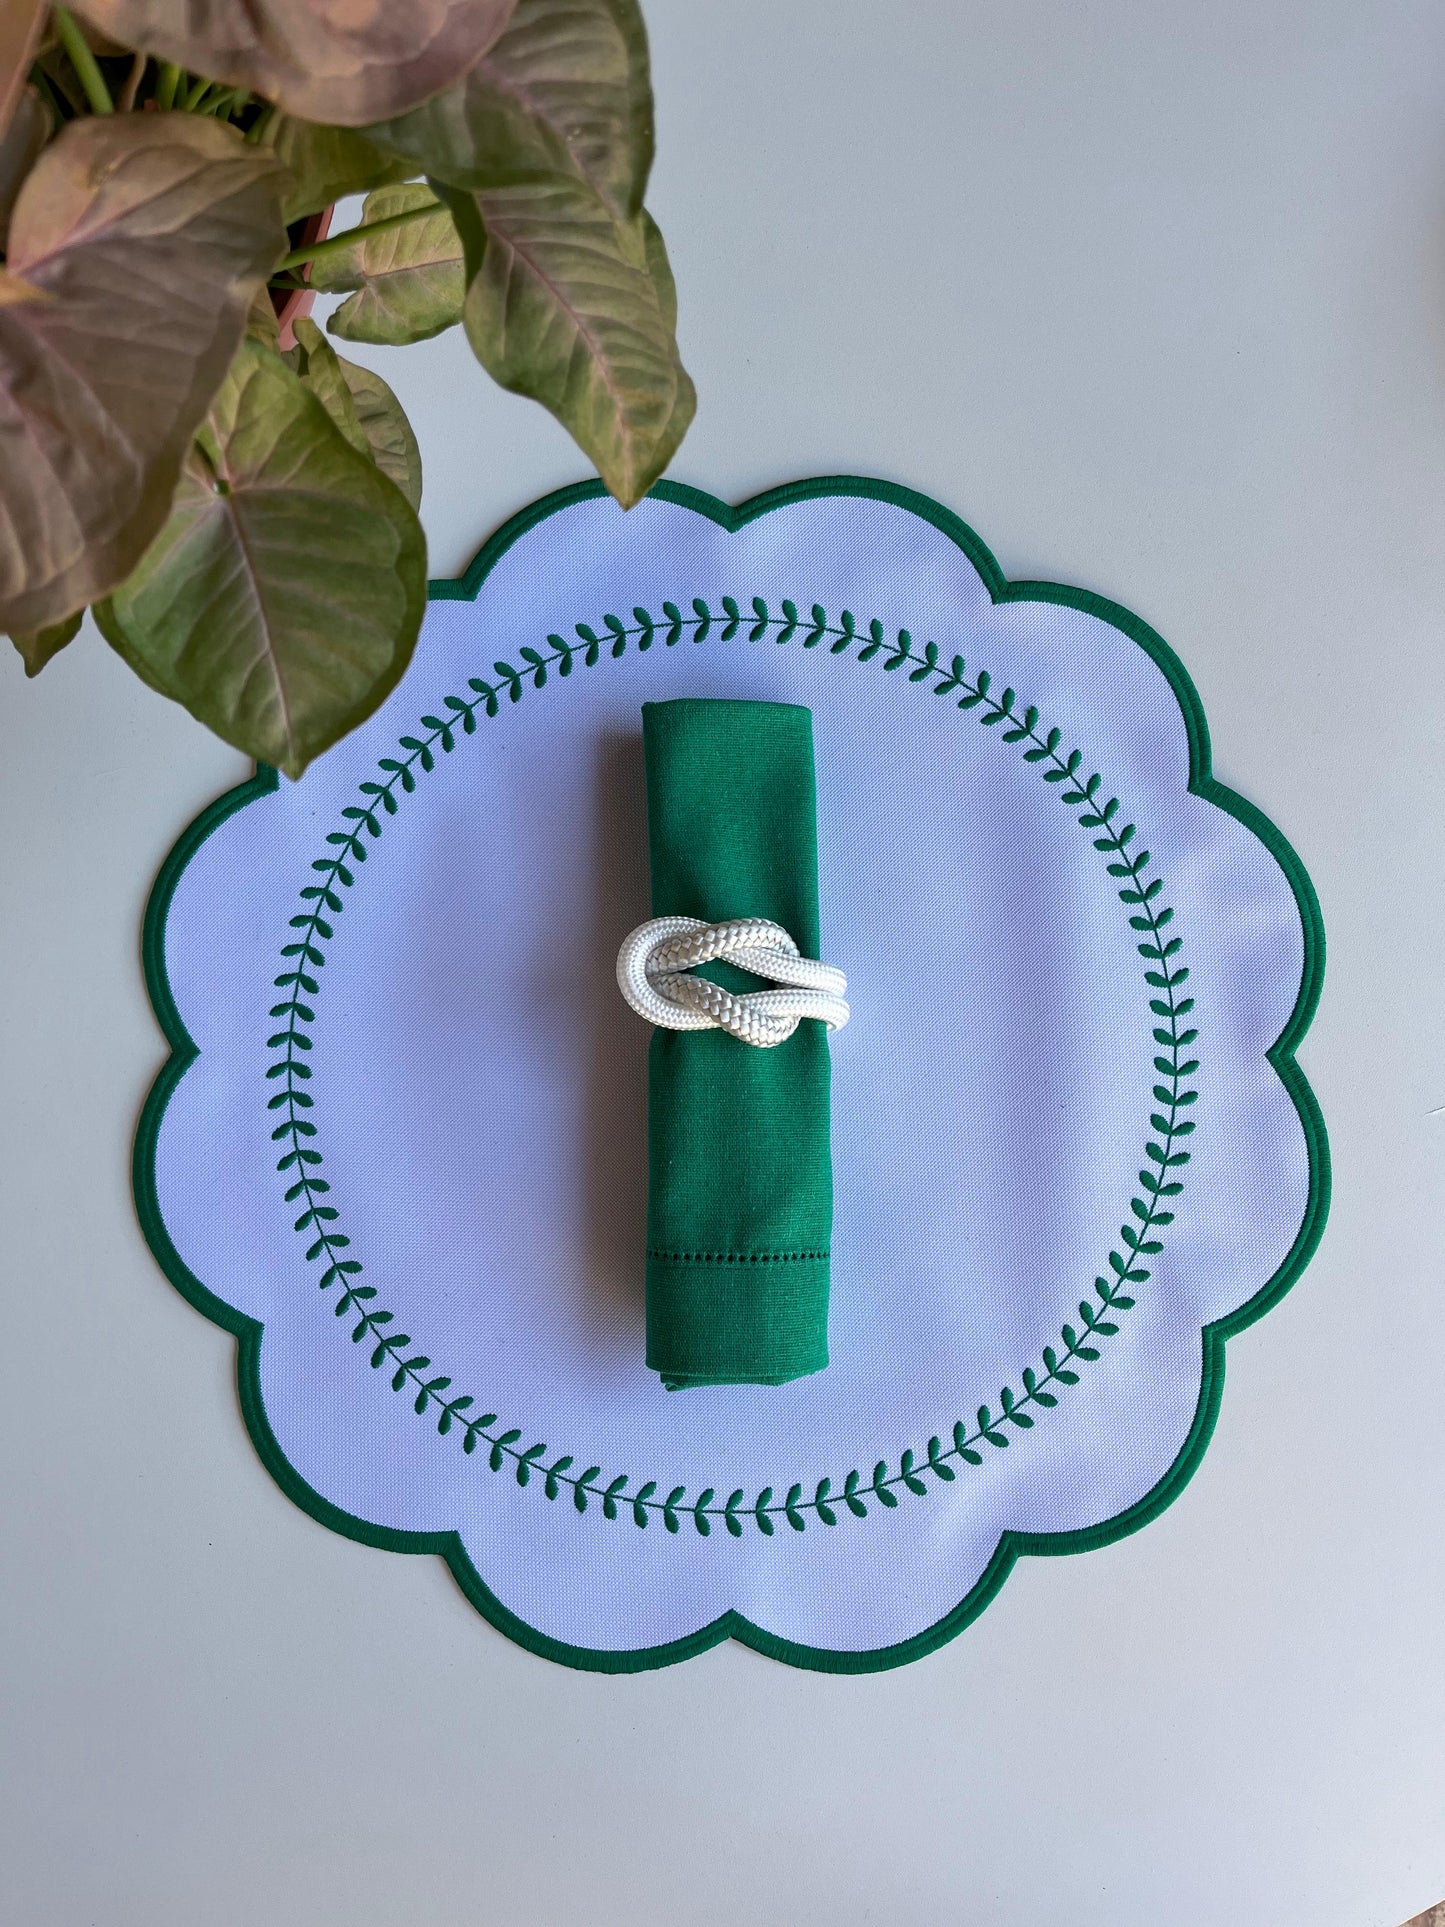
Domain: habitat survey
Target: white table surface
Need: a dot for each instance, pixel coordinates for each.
(1154, 296)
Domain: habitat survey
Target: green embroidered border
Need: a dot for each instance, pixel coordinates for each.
(1012, 1545)
(331, 1247)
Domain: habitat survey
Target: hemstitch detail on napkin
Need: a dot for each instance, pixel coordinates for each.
(738, 1257)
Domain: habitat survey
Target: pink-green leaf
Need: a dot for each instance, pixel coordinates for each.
(340, 61)
(136, 244)
(565, 90)
(319, 366)
(325, 163)
(39, 645)
(362, 407)
(281, 602)
(383, 422)
(575, 308)
(409, 280)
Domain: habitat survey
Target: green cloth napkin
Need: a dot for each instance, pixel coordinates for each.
(740, 1176)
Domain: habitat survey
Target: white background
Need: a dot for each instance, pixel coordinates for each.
(1155, 297)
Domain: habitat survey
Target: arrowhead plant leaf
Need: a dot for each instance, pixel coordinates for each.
(362, 406)
(574, 308)
(241, 521)
(281, 601)
(565, 90)
(542, 153)
(319, 366)
(136, 244)
(384, 424)
(345, 62)
(261, 322)
(409, 280)
(37, 647)
(325, 163)
(659, 269)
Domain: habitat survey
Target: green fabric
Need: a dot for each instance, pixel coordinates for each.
(740, 1176)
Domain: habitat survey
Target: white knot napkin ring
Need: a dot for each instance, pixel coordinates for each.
(654, 966)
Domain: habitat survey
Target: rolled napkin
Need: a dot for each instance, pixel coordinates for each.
(740, 1176)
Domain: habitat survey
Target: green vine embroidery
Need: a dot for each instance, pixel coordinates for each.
(967, 1443)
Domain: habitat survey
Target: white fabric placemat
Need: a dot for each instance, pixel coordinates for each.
(400, 1147)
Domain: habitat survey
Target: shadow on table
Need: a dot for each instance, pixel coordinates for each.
(615, 1125)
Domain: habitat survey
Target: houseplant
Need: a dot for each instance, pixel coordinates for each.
(239, 509)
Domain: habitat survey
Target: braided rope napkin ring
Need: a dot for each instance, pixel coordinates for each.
(654, 975)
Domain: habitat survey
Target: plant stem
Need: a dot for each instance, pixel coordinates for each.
(261, 126)
(86, 66)
(126, 103)
(198, 91)
(226, 102)
(335, 243)
(166, 86)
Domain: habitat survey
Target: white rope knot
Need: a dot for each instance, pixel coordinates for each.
(654, 970)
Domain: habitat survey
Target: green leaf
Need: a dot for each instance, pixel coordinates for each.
(105, 372)
(362, 407)
(344, 63)
(545, 149)
(325, 163)
(409, 280)
(319, 366)
(261, 322)
(564, 91)
(39, 645)
(282, 600)
(383, 422)
(575, 308)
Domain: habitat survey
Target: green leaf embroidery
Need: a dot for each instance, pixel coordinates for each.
(300, 1161)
